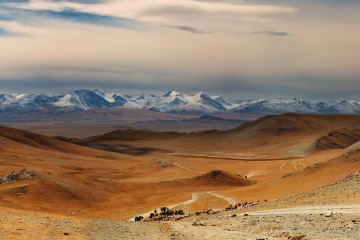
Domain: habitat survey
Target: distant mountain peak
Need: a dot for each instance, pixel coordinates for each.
(172, 102)
(171, 94)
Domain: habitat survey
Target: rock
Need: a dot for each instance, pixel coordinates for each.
(329, 214)
(23, 174)
(297, 237)
(234, 215)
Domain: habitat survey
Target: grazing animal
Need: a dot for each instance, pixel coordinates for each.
(139, 218)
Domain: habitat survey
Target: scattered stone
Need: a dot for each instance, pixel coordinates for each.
(234, 215)
(297, 237)
(329, 214)
(23, 174)
(172, 236)
(164, 164)
(66, 234)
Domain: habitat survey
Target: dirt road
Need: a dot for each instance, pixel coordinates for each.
(194, 198)
(344, 209)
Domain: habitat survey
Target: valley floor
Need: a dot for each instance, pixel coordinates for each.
(300, 173)
(292, 223)
(284, 218)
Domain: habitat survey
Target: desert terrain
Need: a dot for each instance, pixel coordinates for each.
(292, 176)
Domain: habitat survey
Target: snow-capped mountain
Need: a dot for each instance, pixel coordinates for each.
(24, 101)
(82, 99)
(275, 106)
(171, 102)
(339, 106)
(182, 103)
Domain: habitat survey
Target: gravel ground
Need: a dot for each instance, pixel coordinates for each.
(293, 218)
(298, 217)
(23, 225)
(289, 226)
(344, 191)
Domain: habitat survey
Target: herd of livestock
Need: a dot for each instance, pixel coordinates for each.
(166, 214)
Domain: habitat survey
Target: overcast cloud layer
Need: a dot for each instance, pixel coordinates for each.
(243, 48)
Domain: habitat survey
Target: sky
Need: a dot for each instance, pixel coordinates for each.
(239, 48)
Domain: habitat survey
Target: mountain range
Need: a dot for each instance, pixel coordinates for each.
(171, 102)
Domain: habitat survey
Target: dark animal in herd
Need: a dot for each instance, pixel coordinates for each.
(138, 218)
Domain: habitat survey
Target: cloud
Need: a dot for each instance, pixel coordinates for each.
(272, 33)
(14, 1)
(42, 16)
(83, 17)
(80, 1)
(214, 11)
(192, 29)
(6, 33)
(159, 10)
(141, 44)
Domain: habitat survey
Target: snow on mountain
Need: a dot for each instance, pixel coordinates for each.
(107, 96)
(82, 99)
(119, 100)
(201, 102)
(176, 102)
(173, 94)
(227, 103)
(172, 102)
(276, 106)
(138, 101)
(22, 101)
(339, 106)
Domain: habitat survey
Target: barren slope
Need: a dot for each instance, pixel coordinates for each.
(288, 135)
(168, 168)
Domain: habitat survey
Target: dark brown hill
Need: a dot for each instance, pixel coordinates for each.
(219, 177)
(338, 139)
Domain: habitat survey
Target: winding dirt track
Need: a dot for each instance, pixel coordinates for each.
(193, 199)
(345, 209)
(228, 199)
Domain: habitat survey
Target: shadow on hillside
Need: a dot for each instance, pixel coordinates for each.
(126, 149)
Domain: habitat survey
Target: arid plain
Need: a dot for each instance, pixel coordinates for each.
(275, 162)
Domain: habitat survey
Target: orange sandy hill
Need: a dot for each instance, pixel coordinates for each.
(11, 138)
(134, 135)
(346, 162)
(338, 139)
(219, 177)
(278, 135)
(62, 177)
(291, 125)
(71, 178)
(215, 179)
(132, 142)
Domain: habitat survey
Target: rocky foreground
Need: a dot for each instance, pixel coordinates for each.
(331, 212)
